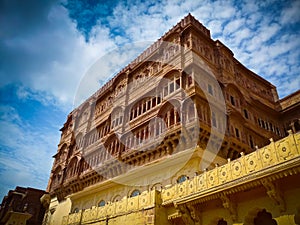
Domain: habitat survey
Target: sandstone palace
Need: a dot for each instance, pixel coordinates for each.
(184, 134)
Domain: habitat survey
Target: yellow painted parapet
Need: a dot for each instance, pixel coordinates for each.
(145, 200)
(273, 154)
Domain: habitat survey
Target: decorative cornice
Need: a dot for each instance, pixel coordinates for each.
(274, 161)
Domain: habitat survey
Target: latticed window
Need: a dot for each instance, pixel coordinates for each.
(101, 203)
(210, 89)
(135, 193)
(182, 179)
(76, 210)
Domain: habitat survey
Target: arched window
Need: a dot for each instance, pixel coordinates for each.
(182, 179)
(79, 140)
(72, 167)
(116, 198)
(135, 193)
(57, 174)
(76, 210)
(101, 203)
(296, 126)
(117, 117)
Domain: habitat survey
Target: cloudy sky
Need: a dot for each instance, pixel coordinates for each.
(47, 47)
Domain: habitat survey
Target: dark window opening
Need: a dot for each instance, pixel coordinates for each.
(135, 113)
(251, 142)
(171, 87)
(190, 80)
(165, 91)
(177, 83)
(246, 114)
(278, 131)
(76, 210)
(158, 100)
(271, 127)
(237, 133)
(263, 124)
(135, 193)
(149, 104)
(153, 102)
(297, 126)
(210, 89)
(182, 179)
(232, 100)
(101, 203)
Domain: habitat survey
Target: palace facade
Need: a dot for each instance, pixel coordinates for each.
(185, 134)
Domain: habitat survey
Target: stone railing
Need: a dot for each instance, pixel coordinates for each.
(275, 153)
(143, 201)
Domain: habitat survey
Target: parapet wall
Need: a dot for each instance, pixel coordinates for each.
(146, 200)
(277, 154)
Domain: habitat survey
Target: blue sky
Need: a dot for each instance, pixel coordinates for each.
(46, 48)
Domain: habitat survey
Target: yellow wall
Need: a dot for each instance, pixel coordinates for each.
(268, 178)
(60, 209)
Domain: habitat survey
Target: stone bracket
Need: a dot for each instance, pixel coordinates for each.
(194, 214)
(274, 193)
(187, 214)
(230, 206)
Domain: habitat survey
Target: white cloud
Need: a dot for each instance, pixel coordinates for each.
(216, 26)
(233, 26)
(59, 57)
(291, 13)
(25, 157)
(106, 67)
(223, 10)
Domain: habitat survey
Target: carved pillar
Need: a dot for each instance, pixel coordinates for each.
(142, 108)
(168, 118)
(140, 137)
(134, 139)
(130, 142)
(118, 147)
(159, 127)
(195, 111)
(145, 132)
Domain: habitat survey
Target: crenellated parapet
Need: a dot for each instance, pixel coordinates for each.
(277, 159)
(146, 200)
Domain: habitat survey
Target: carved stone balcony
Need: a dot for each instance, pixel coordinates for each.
(143, 201)
(282, 156)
